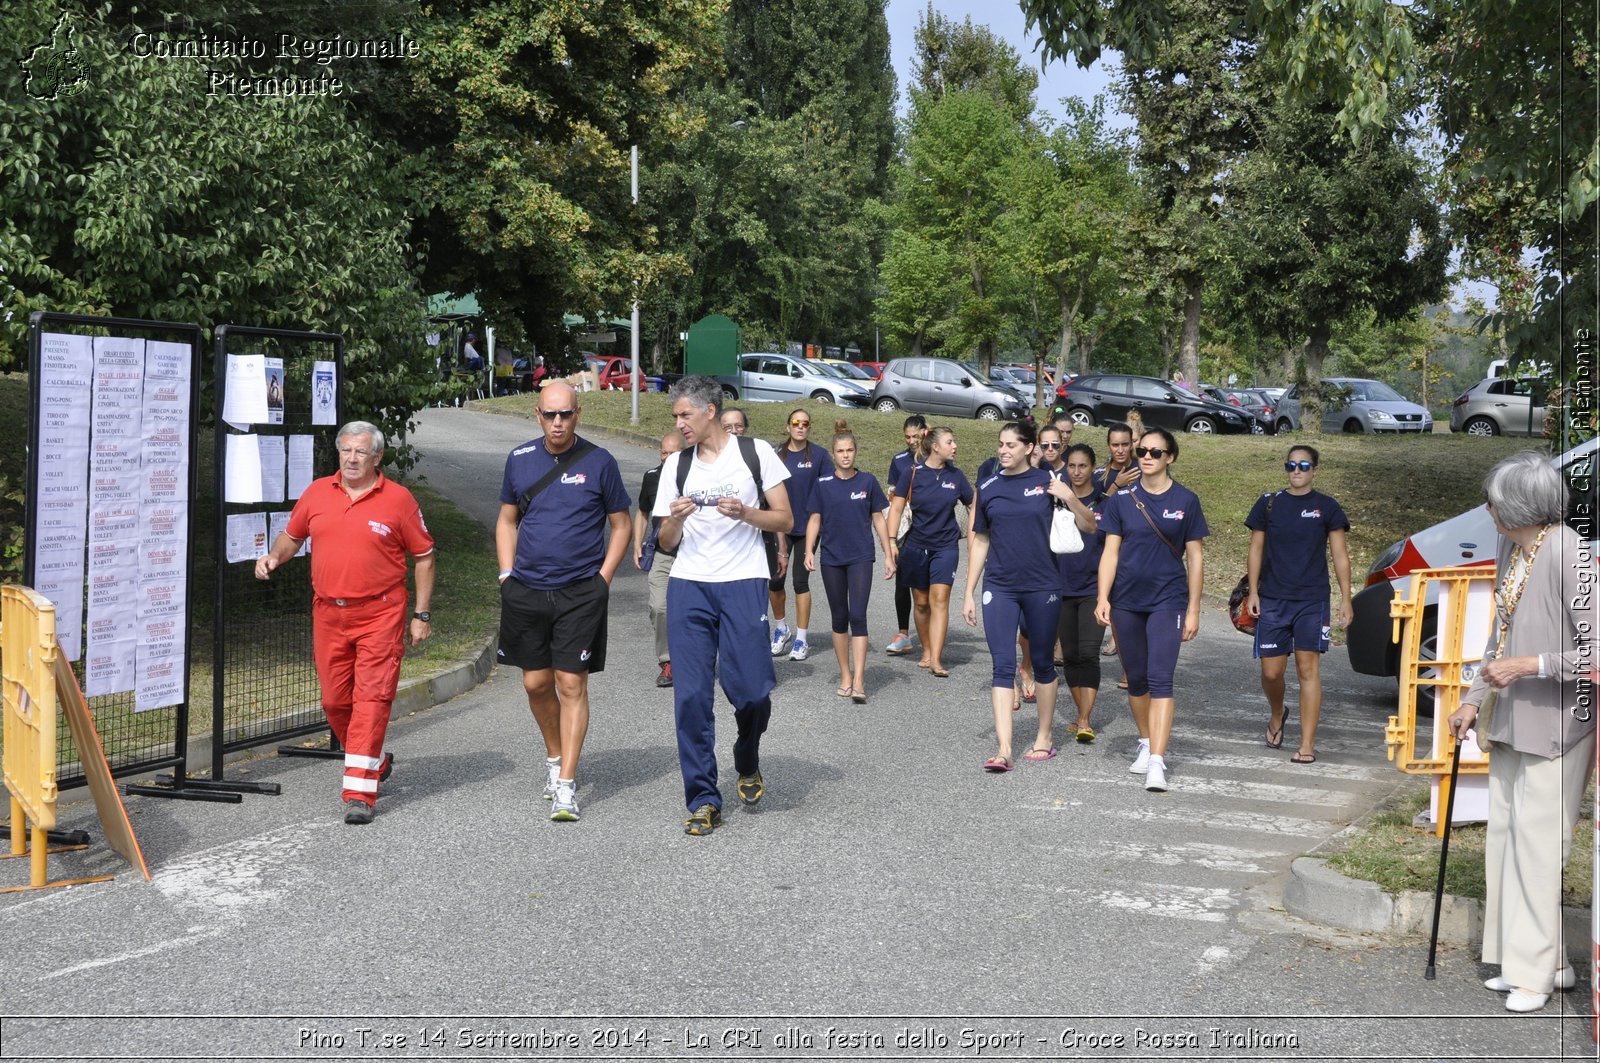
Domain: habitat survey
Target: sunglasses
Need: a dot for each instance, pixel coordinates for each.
(1150, 452)
(1303, 466)
(1049, 446)
(799, 424)
(557, 415)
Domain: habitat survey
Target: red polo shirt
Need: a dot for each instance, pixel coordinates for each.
(358, 548)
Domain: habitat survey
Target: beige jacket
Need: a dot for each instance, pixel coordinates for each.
(1556, 620)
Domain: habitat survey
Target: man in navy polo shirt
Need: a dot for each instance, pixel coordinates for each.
(559, 495)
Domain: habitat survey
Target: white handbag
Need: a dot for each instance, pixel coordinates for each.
(1064, 535)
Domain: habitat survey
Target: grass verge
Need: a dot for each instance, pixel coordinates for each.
(1398, 855)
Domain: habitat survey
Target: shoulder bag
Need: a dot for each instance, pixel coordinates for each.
(1242, 620)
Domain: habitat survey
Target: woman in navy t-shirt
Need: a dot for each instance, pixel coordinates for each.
(1149, 586)
(932, 548)
(805, 461)
(847, 509)
(1080, 633)
(1011, 540)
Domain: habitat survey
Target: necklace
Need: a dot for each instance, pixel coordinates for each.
(1512, 585)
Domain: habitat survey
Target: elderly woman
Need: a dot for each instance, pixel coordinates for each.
(1533, 702)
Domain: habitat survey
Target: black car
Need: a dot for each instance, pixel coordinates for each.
(1101, 397)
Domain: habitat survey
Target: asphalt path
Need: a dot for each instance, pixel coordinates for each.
(886, 890)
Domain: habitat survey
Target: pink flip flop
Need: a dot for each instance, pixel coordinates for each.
(998, 765)
(1039, 754)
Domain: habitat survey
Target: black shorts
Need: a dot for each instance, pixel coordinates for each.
(564, 628)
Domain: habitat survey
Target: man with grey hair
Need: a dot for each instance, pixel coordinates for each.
(364, 525)
(717, 495)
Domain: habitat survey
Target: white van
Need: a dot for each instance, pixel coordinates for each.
(1466, 539)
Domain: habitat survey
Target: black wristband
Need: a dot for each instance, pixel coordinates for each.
(424, 616)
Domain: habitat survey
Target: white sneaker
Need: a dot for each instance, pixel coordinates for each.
(1141, 763)
(781, 638)
(1155, 778)
(554, 771)
(801, 651)
(565, 808)
(1566, 978)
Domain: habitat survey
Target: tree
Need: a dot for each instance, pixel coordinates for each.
(1324, 230)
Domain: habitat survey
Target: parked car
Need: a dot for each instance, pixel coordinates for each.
(1500, 406)
(773, 377)
(1251, 402)
(1352, 404)
(872, 369)
(942, 386)
(847, 370)
(1466, 539)
(611, 372)
(1101, 397)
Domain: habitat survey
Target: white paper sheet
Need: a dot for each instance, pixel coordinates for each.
(242, 473)
(109, 668)
(118, 388)
(278, 524)
(324, 390)
(244, 400)
(247, 536)
(272, 457)
(159, 682)
(274, 390)
(301, 469)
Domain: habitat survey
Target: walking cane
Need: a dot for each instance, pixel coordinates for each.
(1444, 854)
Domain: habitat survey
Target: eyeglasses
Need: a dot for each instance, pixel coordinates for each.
(557, 415)
(1303, 466)
(799, 424)
(1150, 452)
(360, 452)
(1049, 446)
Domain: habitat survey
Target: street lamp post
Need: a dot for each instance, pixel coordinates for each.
(638, 375)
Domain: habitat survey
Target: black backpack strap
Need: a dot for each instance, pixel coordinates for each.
(747, 449)
(563, 462)
(685, 457)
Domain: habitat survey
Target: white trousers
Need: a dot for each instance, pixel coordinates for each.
(1534, 803)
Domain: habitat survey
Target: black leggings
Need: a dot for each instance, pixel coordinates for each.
(797, 569)
(848, 588)
(1080, 638)
(902, 602)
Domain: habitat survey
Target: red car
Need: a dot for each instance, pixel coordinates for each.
(612, 372)
(875, 369)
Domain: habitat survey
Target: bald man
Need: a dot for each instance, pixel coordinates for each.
(560, 495)
(659, 563)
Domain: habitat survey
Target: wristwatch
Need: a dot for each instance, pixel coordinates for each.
(423, 615)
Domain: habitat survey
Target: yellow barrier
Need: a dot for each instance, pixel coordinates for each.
(28, 660)
(1463, 621)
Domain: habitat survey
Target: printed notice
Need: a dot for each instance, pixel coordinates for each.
(274, 390)
(244, 400)
(324, 392)
(272, 455)
(300, 465)
(247, 536)
(278, 524)
(61, 507)
(242, 470)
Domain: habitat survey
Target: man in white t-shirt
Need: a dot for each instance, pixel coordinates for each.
(717, 595)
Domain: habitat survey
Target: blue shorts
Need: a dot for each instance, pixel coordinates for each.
(924, 567)
(1292, 625)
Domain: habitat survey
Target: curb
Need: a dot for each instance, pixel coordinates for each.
(1319, 894)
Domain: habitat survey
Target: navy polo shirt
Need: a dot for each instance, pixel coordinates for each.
(804, 467)
(1295, 565)
(847, 507)
(1149, 575)
(562, 539)
(933, 504)
(1080, 572)
(1014, 511)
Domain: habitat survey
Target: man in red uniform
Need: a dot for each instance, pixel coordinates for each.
(364, 525)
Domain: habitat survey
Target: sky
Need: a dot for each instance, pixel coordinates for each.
(1057, 79)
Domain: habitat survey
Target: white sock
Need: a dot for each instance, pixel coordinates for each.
(799, 634)
(1144, 743)
(551, 762)
(1158, 761)
(570, 783)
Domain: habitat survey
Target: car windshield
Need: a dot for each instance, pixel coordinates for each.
(808, 366)
(849, 372)
(1182, 389)
(1376, 391)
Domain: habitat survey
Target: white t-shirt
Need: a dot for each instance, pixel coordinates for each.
(715, 548)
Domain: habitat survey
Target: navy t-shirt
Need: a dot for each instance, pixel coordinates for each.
(562, 539)
(1080, 572)
(933, 503)
(898, 465)
(988, 467)
(847, 507)
(1149, 575)
(804, 467)
(1015, 513)
(1295, 565)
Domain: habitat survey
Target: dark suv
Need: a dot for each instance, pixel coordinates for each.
(1102, 397)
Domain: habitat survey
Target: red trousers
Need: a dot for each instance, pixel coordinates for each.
(358, 652)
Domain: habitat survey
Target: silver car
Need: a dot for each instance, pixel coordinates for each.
(1351, 404)
(772, 377)
(942, 386)
(1500, 406)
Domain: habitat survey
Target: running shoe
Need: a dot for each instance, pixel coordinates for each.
(565, 808)
(1155, 779)
(1141, 763)
(751, 788)
(665, 678)
(703, 821)
(802, 650)
(781, 640)
(357, 812)
(902, 644)
(554, 771)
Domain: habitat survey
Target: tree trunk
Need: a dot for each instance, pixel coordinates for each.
(1311, 392)
(1166, 349)
(1189, 350)
(1069, 319)
(916, 344)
